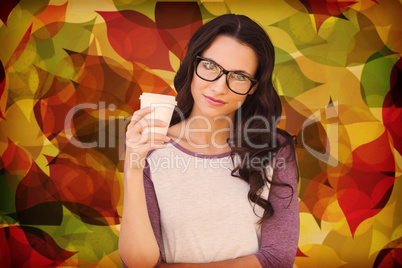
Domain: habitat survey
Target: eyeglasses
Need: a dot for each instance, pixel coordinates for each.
(210, 71)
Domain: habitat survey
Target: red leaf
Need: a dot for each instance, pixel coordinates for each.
(390, 255)
(323, 9)
(6, 8)
(35, 188)
(82, 189)
(53, 18)
(5, 254)
(135, 37)
(53, 13)
(2, 85)
(16, 160)
(54, 104)
(30, 247)
(365, 189)
(178, 21)
(392, 107)
(22, 45)
(88, 191)
(299, 253)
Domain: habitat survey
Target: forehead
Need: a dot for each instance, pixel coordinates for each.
(232, 55)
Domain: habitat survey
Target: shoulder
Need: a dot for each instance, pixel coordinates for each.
(283, 137)
(286, 147)
(161, 152)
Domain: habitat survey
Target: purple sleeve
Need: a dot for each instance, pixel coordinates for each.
(153, 210)
(280, 233)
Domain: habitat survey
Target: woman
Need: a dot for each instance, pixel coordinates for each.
(229, 196)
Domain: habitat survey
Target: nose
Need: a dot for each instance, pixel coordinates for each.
(219, 86)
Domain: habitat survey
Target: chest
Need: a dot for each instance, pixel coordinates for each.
(202, 192)
(205, 213)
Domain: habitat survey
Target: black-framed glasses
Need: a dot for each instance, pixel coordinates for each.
(210, 71)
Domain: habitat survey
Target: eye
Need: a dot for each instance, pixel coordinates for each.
(239, 77)
(208, 65)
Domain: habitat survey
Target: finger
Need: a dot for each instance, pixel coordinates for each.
(136, 141)
(145, 123)
(142, 112)
(154, 137)
(155, 145)
(142, 148)
(139, 114)
(145, 148)
(149, 122)
(137, 137)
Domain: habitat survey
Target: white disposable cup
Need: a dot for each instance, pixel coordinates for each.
(164, 106)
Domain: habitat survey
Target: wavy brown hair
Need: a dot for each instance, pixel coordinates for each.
(263, 103)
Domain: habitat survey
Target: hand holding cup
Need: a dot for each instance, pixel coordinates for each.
(148, 127)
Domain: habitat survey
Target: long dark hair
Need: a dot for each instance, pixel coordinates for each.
(263, 103)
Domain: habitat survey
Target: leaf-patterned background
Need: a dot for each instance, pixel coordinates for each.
(71, 74)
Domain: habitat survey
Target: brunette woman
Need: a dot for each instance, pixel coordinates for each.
(228, 195)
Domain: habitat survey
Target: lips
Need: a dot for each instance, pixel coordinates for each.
(213, 101)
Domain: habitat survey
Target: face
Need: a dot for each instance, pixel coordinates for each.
(213, 99)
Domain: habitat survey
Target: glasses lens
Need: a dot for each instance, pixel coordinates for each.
(239, 83)
(208, 70)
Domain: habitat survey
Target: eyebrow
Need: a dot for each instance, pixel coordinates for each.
(235, 71)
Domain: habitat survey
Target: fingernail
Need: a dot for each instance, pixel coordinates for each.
(167, 138)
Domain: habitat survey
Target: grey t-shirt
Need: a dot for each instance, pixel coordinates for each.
(200, 213)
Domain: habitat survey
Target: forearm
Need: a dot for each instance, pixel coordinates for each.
(250, 261)
(137, 243)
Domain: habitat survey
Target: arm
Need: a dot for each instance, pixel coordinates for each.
(280, 234)
(138, 246)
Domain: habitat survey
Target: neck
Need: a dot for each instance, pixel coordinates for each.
(208, 132)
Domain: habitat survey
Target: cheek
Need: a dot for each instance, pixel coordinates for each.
(198, 85)
(193, 88)
(238, 100)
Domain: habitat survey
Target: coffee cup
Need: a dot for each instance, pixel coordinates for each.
(164, 106)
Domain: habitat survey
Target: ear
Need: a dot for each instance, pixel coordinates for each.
(253, 89)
